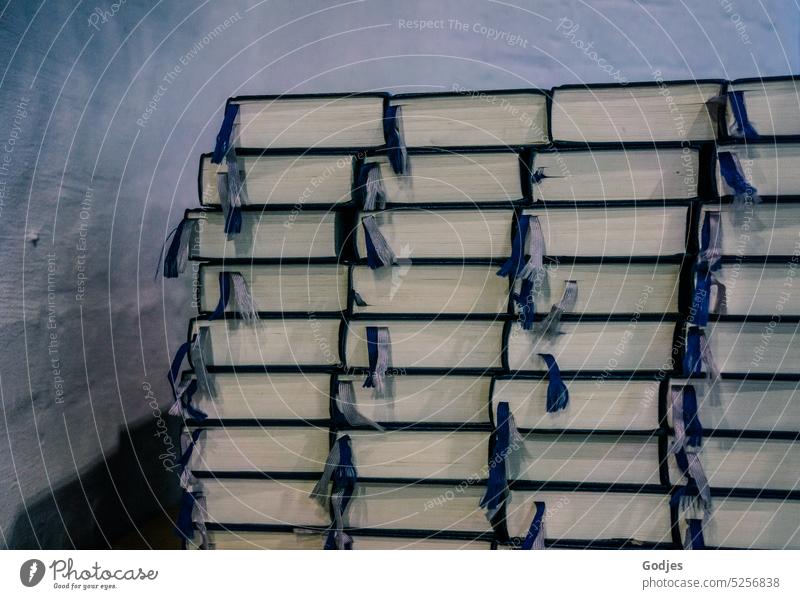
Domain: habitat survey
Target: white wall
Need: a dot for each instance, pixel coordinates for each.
(80, 166)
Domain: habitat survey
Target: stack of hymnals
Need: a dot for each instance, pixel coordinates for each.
(502, 319)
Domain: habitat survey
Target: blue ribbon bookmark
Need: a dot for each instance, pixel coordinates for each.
(395, 145)
(372, 353)
(743, 127)
(184, 524)
(175, 367)
(692, 357)
(497, 485)
(535, 537)
(735, 178)
(516, 262)
(344, 484)
(701, 301)
(224, 295)
(187, 402)
(557, 393)
(179, 244)
(224, 136)
(691, 420)
(694, 534)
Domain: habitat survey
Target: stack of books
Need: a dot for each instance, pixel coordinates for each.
(734, 415)
(505, 319)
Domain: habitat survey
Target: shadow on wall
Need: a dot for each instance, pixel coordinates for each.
(128, 502)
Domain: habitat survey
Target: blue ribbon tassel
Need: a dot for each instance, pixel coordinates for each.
(184, 526)
(703, 271)
(224, 136)
(692, 360)
(682, 460)
(193, 412)
(394, 145)
(225, 285)
(535, 527)
(372, 352)
(702, 293)
(691, 420)
(739, 110)
(516, 262)
(694, 532)
(344, 481)
(497, 485)
(187, 455)
(733, 177)
(233, 221)
(171, 257)
(557, 393)
(705, 233)
(175, 367)
(373, 260)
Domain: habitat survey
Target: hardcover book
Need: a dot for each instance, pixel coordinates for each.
(454, 234)
(593, 517)
(264, 396)
(648, 112)
(429, 289)
(769, 229)
(456, 345)
(279, 179)
(302, 235)
(603, 347)
(270, 341)
(746, 523)
(488, 118)
(768, 107)
(285, 449)
(306, 121)
(610, 175)
(308, 288)
(470, 178)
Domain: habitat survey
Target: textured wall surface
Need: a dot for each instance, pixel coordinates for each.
(106, 108)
